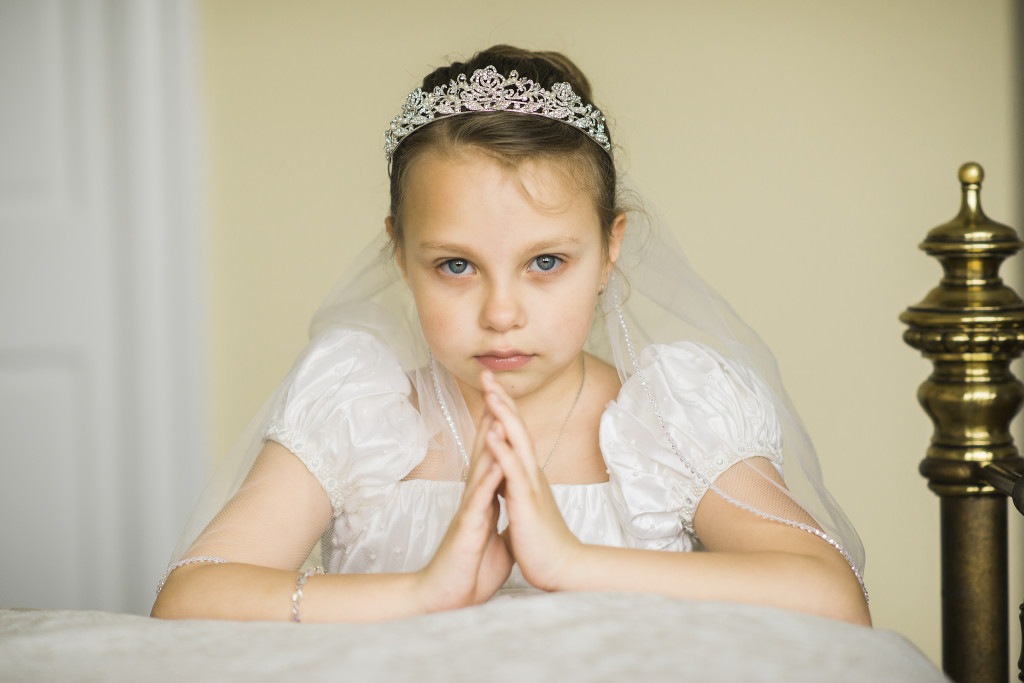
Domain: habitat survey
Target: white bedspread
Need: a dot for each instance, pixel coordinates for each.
(531, 637)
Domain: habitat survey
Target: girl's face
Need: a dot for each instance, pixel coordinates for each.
(505, 267)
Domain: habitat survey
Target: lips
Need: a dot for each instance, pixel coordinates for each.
(496, 361)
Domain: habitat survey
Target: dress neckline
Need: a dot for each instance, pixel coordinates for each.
(462, 484)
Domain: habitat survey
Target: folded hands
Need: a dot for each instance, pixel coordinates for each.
(474, 560)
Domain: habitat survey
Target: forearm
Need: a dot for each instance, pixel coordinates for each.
(247, 592)
(819, 585)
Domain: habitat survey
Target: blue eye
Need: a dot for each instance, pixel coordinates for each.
(545, 263)
(456, 266)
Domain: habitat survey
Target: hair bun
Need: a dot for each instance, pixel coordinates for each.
(544, 67)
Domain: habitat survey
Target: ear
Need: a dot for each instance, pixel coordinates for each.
(615, 240)
(389, 226)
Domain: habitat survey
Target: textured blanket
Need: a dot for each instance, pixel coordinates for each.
(531, 637)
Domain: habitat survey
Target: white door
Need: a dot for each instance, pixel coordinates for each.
(100, 342)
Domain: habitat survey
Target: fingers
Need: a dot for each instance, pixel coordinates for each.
(517, 479)
(493, 389)
(482, 486)
(485, 474)
(503, 409)
(499, 449)
(475, 464)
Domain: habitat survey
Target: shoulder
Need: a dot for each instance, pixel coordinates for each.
(694, 373)
(345, 412)
(685, 416)
(350, 359)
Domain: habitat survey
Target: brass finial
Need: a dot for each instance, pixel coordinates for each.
(971, 247)
(971, 326)
(971, 173)
(971, 225)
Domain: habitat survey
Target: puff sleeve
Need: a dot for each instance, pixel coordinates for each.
(346, 415)
(717, 412)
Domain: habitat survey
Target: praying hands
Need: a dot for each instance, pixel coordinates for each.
(473, 561)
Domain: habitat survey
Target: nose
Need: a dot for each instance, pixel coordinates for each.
(502, 308)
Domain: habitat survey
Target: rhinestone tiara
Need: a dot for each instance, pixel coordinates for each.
(488, 90)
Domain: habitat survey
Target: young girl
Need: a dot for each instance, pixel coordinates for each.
(517, 386)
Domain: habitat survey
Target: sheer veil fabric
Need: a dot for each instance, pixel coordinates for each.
(654, 298)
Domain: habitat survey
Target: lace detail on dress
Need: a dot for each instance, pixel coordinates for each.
(320, 469)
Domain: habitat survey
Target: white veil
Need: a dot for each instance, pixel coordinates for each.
(654, 296)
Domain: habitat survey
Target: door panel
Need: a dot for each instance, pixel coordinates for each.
(100, 384)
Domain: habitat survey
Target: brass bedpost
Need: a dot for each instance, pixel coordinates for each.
(971, 327)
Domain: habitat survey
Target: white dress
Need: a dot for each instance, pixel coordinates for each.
(348, 418)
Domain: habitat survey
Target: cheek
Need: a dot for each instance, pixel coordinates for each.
(571, 312)
(440, 319)
(434, 316)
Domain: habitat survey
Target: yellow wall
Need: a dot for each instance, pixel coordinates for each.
(802, 148)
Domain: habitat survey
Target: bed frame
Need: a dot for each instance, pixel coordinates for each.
(971, 327)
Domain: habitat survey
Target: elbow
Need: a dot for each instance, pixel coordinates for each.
(855, 608)
(864, 618)
(181, 595)
(166, 607)
(161, 610)
(839, 594)
(173, 601)
(852, 609)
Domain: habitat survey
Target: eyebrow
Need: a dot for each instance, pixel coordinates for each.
(542, 245)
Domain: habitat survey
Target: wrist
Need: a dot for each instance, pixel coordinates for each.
(420, 595)
(298, 593)
(573, 567)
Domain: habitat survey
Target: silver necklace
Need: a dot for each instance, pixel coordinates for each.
(583, 376)
(455, 431)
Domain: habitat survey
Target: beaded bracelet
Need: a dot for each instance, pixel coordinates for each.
(182, 563)
(297, 595)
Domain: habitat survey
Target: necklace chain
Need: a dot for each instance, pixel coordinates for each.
(455, 431)
(583, 376)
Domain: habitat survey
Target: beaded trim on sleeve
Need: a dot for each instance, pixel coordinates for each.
(448, 418)
(724, 461)
(313, 462)
(182, 563)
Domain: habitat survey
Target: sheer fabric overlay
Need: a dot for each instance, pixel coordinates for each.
(383, 428)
